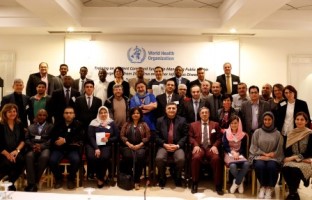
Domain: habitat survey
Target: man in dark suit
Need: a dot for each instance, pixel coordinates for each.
(200, 78)
(206, 138)
(21, 100)
(191, 108)
(78, 84)
(215, 101)
(62, 98)
(178, 79)
(168, 96)
(252, 111)
(171, 136)
(228, 81)
(42, 75)
(59, 79)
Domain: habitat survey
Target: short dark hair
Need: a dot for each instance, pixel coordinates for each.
(169, 80)
(88, 82)
(119, 68)
(290, 88)
(159, 67)
(63, 65)
(199, 69)
(84, 67)
(140, 82)
(42, 83)
(132, 110)
(227, 96)
(253, 87)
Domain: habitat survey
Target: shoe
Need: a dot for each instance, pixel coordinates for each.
(162, 183)
(90, 177)
(233, 187)
(178, 182)
(137, 186)
(293, 196)
(241, 187)
(261, 193)
(100, 184)
(219, 190)
(70, 185)
(268, 193)
(12, 188)
(58, 184)
(194, 188)
(31, 188)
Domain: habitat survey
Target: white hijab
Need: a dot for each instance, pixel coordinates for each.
(98, 121)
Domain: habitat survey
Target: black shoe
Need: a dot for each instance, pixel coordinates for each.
(70, 185)
(90, 177)
(162, 183)
(219, 190)
(31, 188)
(293, 196)
(58, 184)
(12, 188)
(178, 182)
(100, 185)
(194, 188)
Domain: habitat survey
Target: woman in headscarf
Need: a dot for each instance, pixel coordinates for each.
(298, 156)
(135, 135)
(235, 144)
(266, 154)
(102, 132)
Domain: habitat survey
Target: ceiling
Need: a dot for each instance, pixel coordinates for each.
(258, 18)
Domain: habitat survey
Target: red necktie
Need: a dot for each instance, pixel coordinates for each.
(170, 133)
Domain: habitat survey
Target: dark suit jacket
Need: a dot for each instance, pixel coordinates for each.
(213, 110)
(76, 84)
(180, 131)
(235, 81)
(162, 102)
(246, 114)
(184, 81)
(34, 79)
(197, 82)
(300, 106)
(58, 103)
(22, 113)
(45, 139)
(195, 134)
(84, 114)
(189, 112)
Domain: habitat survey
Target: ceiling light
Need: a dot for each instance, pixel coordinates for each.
(70, 29)
(233, 30)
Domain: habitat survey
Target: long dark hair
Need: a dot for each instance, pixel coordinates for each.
(132, 110)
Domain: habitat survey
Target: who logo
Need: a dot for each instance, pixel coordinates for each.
(136, 55)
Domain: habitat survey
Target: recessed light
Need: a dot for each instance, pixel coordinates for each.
(233, 30)
(70, 29)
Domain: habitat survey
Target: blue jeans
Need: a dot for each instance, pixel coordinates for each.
(239, 171)
(266, 172)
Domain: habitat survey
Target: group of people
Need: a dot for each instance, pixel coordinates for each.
(217, 118)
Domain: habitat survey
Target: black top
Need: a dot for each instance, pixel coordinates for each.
(10, 139)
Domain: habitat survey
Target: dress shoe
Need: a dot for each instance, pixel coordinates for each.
(162, 183)
(58, 184)
(12, 188)
(219, 190)
(100, 184)
(71, 184)
(194, 188)
(90, 177)
(31, 188)
(178, 182)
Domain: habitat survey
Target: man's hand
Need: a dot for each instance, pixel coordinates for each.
(196, 149)
(60, 141)
(214, 150)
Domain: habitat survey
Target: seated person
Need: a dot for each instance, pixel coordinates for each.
(171, 136)
(66, 141)
(135, 135)
(206, 140)
(102, 132)
(12, 139)
(37, 141)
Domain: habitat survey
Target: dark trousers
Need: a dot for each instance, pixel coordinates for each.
(11, 169)
(74, 159)
(36, 163)
(266, 172)
(215, 162)
(127, 162)
(292, 177)
(100, 164)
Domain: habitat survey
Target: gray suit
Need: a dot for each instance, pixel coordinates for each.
(246, 114)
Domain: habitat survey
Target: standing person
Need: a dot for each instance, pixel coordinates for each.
(119, 80)
(228, 80)
(99, 145)
(21, 100)
(182, 90)
(178, 79)
(78, 84)
(215, 101)
(266, 155)
(61, 99)
(205, 90)
(277, 97)
(12, 141)
(171, 136)
(38, 138)
(58, 84)
(226, 112)
(206, 139)
(66, 141)
(240, 97)
(135, 135)
(200, 78)
(35, 78)
(100, 87)
(298, 156)
(139, 77)
(235, 145)
(156, 86)
(266, 92)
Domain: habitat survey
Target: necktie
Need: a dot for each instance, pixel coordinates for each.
(196, 109)
(169, 99)
(228, 84)
(170, 133)
(206, 141)
(82, 87)
(67, 97)
(89, 102)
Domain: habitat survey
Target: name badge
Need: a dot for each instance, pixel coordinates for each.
(68, 130)
(283, 103)
(74, 99)
(176, 102)
(235, 83)
(108, 127)
(38, 137)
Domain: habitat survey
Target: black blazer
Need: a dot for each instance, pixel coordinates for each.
(197, 82)
(189, 112)
(76, 84)
(180, 132)
(300, 106)
(34, 79)
(162, 102)
(184, 81)
(57, 104)
(222, 80)
(84, 114)
(21, 113)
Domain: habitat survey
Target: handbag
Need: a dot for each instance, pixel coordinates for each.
(126, 181)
